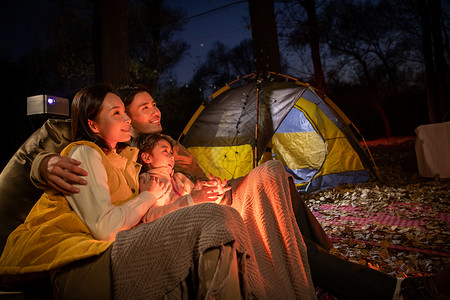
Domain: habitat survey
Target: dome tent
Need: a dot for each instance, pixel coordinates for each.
(246, 121)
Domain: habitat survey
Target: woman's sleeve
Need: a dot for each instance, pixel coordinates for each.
(93, 203)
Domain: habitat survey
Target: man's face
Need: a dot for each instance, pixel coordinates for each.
(145, 116)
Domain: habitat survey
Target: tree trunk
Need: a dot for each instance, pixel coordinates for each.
(111, 43)
(379, 108)
(440, 65)
(374, 98)
(313, 29)
(264, 36)
(155, 49)
(430, 78)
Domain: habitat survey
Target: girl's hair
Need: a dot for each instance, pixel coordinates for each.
(86, 106)
(147, 142)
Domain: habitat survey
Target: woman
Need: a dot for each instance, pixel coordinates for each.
(83, 240)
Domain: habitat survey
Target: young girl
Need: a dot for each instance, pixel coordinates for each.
(156, 157)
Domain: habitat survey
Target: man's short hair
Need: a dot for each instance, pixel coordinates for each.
(129, 91)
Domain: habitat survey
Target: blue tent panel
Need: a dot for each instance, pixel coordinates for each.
(332, 180)
(301, 175)
(295, 121)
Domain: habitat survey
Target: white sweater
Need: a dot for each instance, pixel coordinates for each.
(93, 203)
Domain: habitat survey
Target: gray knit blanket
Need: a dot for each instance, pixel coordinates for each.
(151, 260)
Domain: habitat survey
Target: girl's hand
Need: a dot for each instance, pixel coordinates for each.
(152, 185)
(202, 193)
(221, 185)
(215, 186)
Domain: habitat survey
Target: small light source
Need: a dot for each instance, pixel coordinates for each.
(51, 106)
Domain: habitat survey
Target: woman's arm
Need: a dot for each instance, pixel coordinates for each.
(93, 202)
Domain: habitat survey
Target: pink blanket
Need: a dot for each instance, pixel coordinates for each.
(263, 200)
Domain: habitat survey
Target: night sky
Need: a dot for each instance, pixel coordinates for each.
(23, 28)
(24, 21)
(228, 25)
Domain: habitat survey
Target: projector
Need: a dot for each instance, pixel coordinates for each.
(47, 105)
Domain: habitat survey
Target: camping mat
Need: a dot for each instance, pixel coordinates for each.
(352, 213)
(386, 238)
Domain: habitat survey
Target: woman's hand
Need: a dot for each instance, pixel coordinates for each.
(153, 185)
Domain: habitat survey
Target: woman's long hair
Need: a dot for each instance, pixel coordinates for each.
(86, 106)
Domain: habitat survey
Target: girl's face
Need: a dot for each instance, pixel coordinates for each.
(112, 123)
(160, 156)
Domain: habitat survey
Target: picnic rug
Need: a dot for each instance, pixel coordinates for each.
(399, 224)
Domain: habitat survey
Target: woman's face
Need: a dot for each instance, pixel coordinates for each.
(112, 123)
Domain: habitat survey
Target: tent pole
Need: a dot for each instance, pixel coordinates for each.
(255, 155)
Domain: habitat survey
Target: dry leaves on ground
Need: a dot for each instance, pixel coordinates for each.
(400, 192)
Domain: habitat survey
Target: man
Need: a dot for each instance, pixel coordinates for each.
(343, 278)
